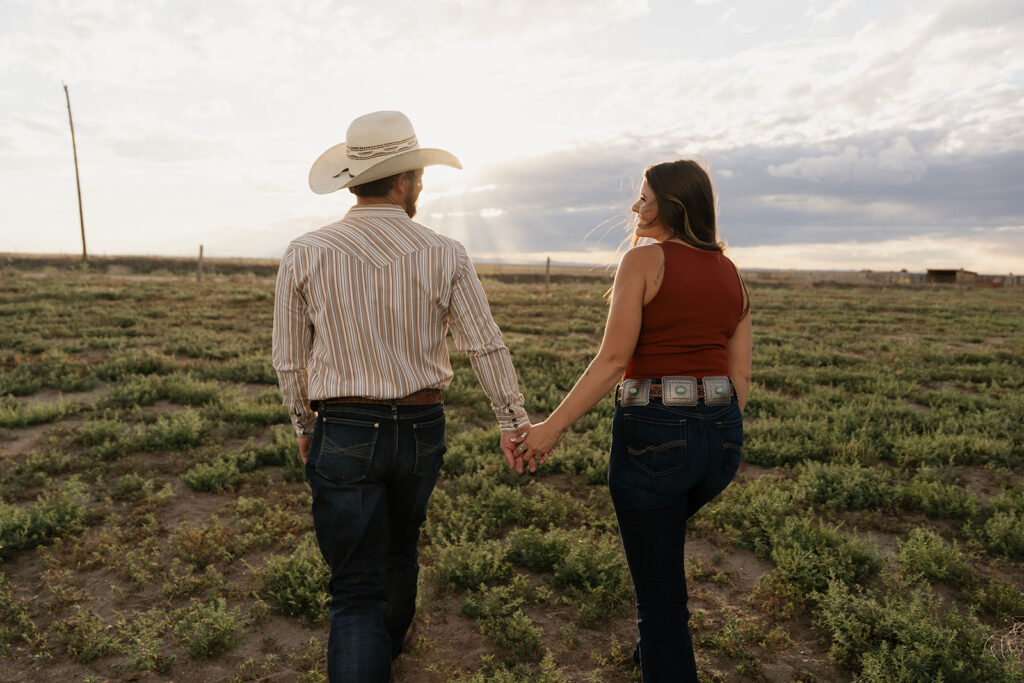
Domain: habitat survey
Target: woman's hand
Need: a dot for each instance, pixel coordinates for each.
(535, 447)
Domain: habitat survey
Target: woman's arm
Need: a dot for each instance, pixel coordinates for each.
(739, 347)
(620, 335)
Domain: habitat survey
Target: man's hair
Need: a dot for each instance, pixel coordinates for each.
(375, 188)
(380, 188)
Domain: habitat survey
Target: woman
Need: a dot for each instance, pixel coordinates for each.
(677, 331)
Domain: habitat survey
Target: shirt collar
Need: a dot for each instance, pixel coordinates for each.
(378, 210)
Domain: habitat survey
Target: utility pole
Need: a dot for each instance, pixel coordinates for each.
(78, 183)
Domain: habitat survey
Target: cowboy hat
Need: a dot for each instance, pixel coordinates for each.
(376, 146)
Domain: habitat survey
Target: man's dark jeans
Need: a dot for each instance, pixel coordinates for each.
(666, 463)
(372, 469)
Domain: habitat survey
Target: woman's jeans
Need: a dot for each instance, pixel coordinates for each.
(372, 469)
(666, 463)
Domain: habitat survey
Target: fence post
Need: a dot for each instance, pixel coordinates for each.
(199, 272)
(78, 183)
(547, 274)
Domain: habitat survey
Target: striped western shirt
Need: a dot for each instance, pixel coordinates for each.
(362, 308)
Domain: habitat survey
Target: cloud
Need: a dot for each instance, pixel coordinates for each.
(831, 12)
(898, 163)
(527, 20)
(209, 110)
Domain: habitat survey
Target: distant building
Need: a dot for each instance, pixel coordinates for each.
(951, 277)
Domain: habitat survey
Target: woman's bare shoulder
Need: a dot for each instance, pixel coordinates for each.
(643, 256)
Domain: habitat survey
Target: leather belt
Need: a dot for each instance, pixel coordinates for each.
(423, 397)
(673, 390)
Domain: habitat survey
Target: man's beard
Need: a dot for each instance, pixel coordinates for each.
(409, 204)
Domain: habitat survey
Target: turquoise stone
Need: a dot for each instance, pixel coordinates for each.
(680, 390)
(719, 390)
(633, 390)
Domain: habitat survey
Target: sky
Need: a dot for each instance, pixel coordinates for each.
(840, 134)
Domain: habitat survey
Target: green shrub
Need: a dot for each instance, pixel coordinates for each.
(906, 638)
(38, 467)
(264, 525)
(17, 629)
(453, 520)
(243, 410)
(925, 554)
(752, 511)
(99, 431)
(471, 450)
(145, 390)
(537, 550)
(595, 577)
(1003, 534)
(735, 638)
(810, 554)
(180, 579)
(936, 498)
(219, 474)
(86, 637)
(54, 369)
(1002, 601)
(467, 565)
(208, 629)
(296, 585)
(251, 369)
(135, 362)
(171, 431)
(845, 487)
(201, 546)
(54, 514)
(140, 637)
(15, 413)
(226, 471)
(497, 611)
(1009, 500)
(132, 487)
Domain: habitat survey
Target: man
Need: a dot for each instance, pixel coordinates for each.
(361, 311)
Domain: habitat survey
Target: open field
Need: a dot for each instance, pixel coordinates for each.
(154, 520)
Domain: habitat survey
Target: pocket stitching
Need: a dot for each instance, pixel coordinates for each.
(353, 451)
(633, 453)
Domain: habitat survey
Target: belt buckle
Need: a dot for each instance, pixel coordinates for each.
(717, 391)
(679, 391)
(636, 392)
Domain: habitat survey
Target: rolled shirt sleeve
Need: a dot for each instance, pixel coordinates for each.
(292, 341)
(475, 332)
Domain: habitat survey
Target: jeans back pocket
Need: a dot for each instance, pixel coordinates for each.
(656, 446)
(346, 449)
(730, 431)
(430, 446)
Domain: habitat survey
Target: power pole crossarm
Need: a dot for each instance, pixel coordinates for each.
(78, 183)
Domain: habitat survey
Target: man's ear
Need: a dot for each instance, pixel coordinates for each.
(400, 188)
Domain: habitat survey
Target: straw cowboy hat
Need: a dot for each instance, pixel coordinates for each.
(376, 146)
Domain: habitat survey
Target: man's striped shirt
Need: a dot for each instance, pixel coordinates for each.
(363, 306)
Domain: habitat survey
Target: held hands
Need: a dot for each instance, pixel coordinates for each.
(508, 448)
(534, 445)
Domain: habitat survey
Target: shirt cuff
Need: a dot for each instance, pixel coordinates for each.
(304, 421)
(510, 420)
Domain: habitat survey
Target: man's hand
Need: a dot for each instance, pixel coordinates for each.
(304, 443)
(536, 445)
(508, 447)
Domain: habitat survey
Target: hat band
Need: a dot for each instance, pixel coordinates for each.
(356, 153)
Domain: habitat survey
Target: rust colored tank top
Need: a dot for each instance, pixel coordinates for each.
(688, 322)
